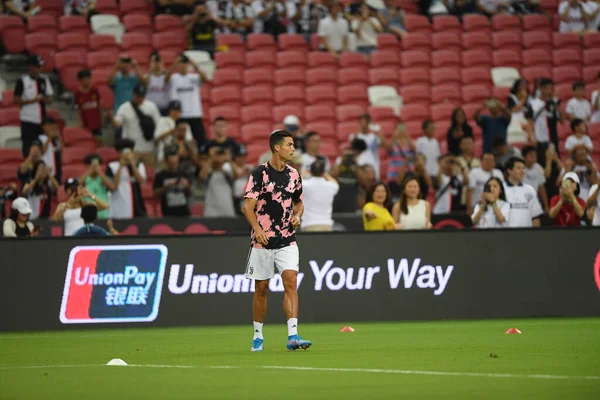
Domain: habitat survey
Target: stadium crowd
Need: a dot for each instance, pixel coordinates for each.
(502, 162)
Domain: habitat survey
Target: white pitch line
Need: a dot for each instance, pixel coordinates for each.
(8, 367)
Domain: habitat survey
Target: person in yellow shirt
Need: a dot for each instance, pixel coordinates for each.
(376, 214)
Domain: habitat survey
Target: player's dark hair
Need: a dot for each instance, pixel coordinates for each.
(528, 149)
(426, 123)
(309, 135)
(387, 203)
(277, 138)
(87, 160)
(578, 85)
(89, 213)
(403, 199)
(575, 123)
(317, 168)
(219, 119)
(510, 164)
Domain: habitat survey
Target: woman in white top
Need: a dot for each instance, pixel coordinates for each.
(70, 210)
(411, 212)
(158, 90)
(493, 209)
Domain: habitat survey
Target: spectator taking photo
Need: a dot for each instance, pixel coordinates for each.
(319, 191)
(172, 187)
(567, 207)
(492, 210)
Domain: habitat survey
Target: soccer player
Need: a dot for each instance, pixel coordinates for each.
(273, 207)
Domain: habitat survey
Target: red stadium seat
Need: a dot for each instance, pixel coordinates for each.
(318, 59)
(73, 42)
(290, 95)
(476, 58)
(139, 24)
(415, 94)
(287, 59)
(43, 24)
(417, 23)
(445, 41)
(260, 41)
(232, 41)
(325, 129)
(571, 40)
(384, 76)
(230, 59)
(170, 40)
(294, 75)
(507, 41)
(108, 7)
(445, 58)
(13, 28)
(52, 8)
(74, 24)
(506, 22)
(104, 43)
(10, 116)
(350, 59)
(136, 41)
(476, 75)
(477, 41)
(591, 40)
(282, 111)
(255, 131)
(591, 57)
(507, 58)
(414, 112)
(476, 93)
(536, 22)
(538, 40)
(446, 93)
(319, 113)
(260, 58)
(72, 156)
(226, 95)
(381, 114)
(415, 58)
(500, 93)
(8, 97)
(345, 129)
(258, 95)
(259, 76)
(321, 75)
(106, 96)
(387, 41)
(8, 156)
(73, 136)
(567, 57)
(322, 94)
(292, 42)
(347, 76)
(448, 24)
(476, 23)
(165, 23)
(353, 94)
(385, 59)
(231, 114)
(410, 76)
(445, 75)
(591, 74)
(417, 41)
(227, 76)
(73, 171)
(40, 41)
(349, 112)
(257, 113)
(101, 59)
(534, 73)
(537, 58)
(442, 112)
(566, 74)
(136, 7)
(69, 64)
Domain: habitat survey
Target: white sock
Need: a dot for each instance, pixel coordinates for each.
(258, 330)
(292, 326)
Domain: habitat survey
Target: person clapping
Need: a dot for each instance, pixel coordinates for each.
(566, 208)
(493, 210)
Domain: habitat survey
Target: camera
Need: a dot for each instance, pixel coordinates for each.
(348, 160)
(486, 188)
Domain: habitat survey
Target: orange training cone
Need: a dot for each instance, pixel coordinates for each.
(512, 331)
(347, 329)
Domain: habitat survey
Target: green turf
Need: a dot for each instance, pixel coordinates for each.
(565, 347)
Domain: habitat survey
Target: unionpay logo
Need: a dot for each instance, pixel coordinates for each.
(597, 270)
(113, 284)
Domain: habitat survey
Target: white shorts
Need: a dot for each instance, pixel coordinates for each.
(261, 263)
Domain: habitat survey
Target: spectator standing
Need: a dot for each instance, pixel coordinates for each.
(242, 170)
(312, 154)
(189, 160)
(52, 146)
(449, 186)
(89, 106)
(166, 130)
(578, 106)
(32, 93)
(218, 175)
(478, 177)
(376, 214)
(18, 224)
(319, 191)
(155, 80)
(87, 8)
(122, 81)
(39, 187)
(173, 7)
(128, 175)
(458, 129)
(271, 16)
(579, 137)
(429, 146)
(96, 182)
(366, 27)
(239, 17)
(392, 19)
(411, 212)
(593, 10)
(401, 157)
(585, 169)
(172, 187)
(503, 152)
(492, 210)
(525, 210)
(350, 177)
(221, 140)
(291, 124)
(544, 115)
(70, 210)
(519, 130)
(307, 18)
(21, 8)
(371, 135)
(593, 203)
(534, 175)
(89, 214)
(466, 159)
(185, 87)
(567, 207)
(333, 31)
(552, 168)
(201, 27)
(596, 96)
(573, 16)
(493, 125)
(25, 172)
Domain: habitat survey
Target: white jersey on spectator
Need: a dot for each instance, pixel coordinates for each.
(579, 108)
(368, 34)
(576, 21)
(488, 218)
(477, 179)
(166, 124)
(596, 220)
(540, 124)
(595, 94)
(534, 176)
(443, 205)
(28, 88)
(158, 91)
(584, 182)
(49, 156)
(372, 141)
(431, 149)
(318, 201)
(129, 121)
(186, 89)
(573, 141)
(334, 31)
(219, 193)
(524, 205)
(259, 6)
(121, 200)
(307, 161)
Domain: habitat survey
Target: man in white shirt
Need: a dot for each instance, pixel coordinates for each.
(366, 27)
(573, 16)
(478, 177)
(128, 175)
(596, 100)
(525, 208)
(544, 114)
(372, 139)
(52, 147)
(333, 31)
(312, 141)
(430, 147)
(593, 203)
(578, 106)
(579, 137)
(166, 130)
(138, 128)
(535, 176)
(319, 191)
(185, 87)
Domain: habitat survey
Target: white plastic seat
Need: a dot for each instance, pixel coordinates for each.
(504, 76)
(385, 96)
(10, 137)
(104, 24)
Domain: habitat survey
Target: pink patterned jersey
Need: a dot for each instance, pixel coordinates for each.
(275, 192)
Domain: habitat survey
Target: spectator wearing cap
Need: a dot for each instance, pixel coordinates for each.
(366, 26)
(350, 176)
(128, 175)
(138, 119)
(185, 87)
(579, 136)
(333, 31)
(122, 81)
(534, 175)
(89, 214)
(220, 138)
(313, 152)
(242, 170)
(584, 168)
(492, 210)
(525, 210)
(201, 28)
(578, 106)
(493, 125)
(39, 186)
(70, 210)
(96, 181)
(52, 146)
(89, 105)
(166, 130)
(18, 223)
(32, 93)
(319, 190)
(218, 176)
(449, 186)
(567, 207)
(503, 152)
(478, 177)
(155, 80)
(371, 135)
(429, 146)
(593, 204)
(544, 114)
(172, 187)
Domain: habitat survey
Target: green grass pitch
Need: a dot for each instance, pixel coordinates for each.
(551, 359)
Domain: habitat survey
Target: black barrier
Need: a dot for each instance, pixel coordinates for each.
(51, 284)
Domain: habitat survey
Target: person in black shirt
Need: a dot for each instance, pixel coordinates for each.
(201, 30)
(39, 186)
(18, 224)
(458, 129)
(172, 187)
(221, 140)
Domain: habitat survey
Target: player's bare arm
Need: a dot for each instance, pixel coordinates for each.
(298, 211)
(248, 210)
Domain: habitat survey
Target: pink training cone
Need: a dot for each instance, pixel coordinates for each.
(512, 331)
(347, 329)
